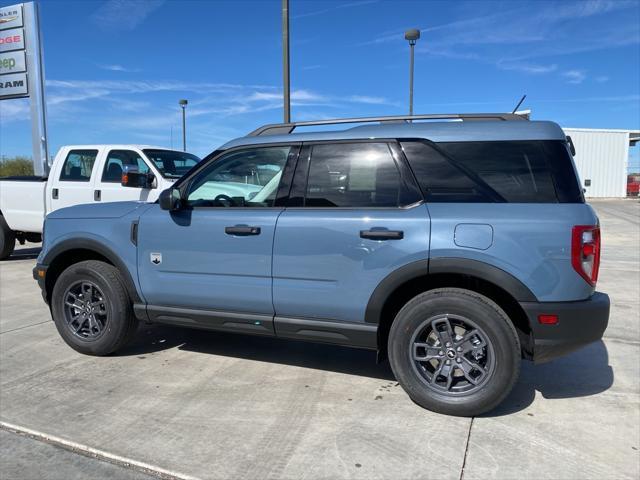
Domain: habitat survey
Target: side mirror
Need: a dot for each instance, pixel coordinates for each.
(134, 179)
(170, 199)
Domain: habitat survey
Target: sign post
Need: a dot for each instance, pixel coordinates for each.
(22, 72)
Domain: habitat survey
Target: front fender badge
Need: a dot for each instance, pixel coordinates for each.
(155, 258)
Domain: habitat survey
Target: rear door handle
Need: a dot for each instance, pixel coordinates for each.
(382, 234)
(96, 195)
(242, 230)
(54, 193)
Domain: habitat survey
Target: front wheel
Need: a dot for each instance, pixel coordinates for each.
(91, 308)
(7, 239)
(454, 351)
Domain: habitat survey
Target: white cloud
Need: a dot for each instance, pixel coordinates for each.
(532, 68)
(124, 14)
(575, 76)
(118, 68)
(336, 7)
(602, 79)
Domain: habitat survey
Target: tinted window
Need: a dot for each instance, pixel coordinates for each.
(171, 164)
(247, 178)
(517, 172)
(352, 175)
(78, 165)
(118, 160)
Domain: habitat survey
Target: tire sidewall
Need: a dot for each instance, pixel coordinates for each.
(7, 239)
(489, 317)
(115, 300)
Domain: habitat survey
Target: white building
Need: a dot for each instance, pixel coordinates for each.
(602, 158)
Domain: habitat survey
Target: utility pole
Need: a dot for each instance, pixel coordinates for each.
(285, 60)
(412, 35)
(183, 103)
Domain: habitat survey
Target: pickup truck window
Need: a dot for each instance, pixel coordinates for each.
(78, 165)
(247, 178)
(353, 175)
(117, 160)
(171, 164)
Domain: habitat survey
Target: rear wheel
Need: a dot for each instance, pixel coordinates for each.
(91, 308)
(454, 351)
(7, 239)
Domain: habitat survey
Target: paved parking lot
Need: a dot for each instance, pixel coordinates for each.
(207, 405)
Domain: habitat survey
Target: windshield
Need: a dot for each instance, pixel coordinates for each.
(170, 163)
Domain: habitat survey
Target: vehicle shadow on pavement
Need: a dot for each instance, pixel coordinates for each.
(24, 254)
(264, 349)
(581, 374)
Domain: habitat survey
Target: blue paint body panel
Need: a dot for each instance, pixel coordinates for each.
(473, 235)
(532, 242)
(323, 269)
(202, 266)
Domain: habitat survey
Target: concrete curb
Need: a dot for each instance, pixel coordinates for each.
(96, 453)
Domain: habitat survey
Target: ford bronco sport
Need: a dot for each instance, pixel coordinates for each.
(454, 248)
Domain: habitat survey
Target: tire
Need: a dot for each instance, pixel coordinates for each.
(112, 308)
(489, 356)
(7, 239)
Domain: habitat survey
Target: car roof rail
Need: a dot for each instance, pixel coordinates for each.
(286, 128)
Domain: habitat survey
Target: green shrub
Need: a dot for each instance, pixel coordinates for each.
(16, 166)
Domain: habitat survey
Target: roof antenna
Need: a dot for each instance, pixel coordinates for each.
(519, 103)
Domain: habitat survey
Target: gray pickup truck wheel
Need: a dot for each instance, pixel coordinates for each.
(91, 308)
(454, 351)
(7, 239)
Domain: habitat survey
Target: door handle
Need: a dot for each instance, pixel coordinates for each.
(96, 195)
(242, 230)
(54, 193)
(382, 234)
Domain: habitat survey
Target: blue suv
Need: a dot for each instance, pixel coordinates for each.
(452, 248)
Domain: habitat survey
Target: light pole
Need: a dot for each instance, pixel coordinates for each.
(412, 35)
(183, 104)
(285, 61)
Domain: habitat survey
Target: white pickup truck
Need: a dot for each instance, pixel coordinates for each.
(85, 174)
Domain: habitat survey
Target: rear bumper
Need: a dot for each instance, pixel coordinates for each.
(579, 323)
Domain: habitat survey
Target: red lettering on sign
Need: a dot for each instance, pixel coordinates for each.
(14, 39)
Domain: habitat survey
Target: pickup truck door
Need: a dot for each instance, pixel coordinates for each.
(209, 263)
(108, 187)
(72, 183)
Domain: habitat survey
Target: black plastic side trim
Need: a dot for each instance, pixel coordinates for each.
(387, 286)
(93, 245)
(460, 266)
(256, 324)
(360, 335)
(487, 272)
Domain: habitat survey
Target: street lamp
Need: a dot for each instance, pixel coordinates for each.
(183, 104)
(412, 36)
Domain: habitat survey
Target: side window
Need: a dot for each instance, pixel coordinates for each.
(246, 178)
(482, 172)
(78, 165)
(118, 160)
(352, 175)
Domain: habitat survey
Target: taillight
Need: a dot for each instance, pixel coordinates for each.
(585, 252)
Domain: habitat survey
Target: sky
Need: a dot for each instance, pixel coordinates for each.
(116, 69)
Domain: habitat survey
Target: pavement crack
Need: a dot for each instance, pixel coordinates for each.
(466, 449)
(25, 326)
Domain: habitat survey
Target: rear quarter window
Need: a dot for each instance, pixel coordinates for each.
(489, 172)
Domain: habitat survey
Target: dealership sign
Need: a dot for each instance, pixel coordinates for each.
(13, 65)
(22, 72)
